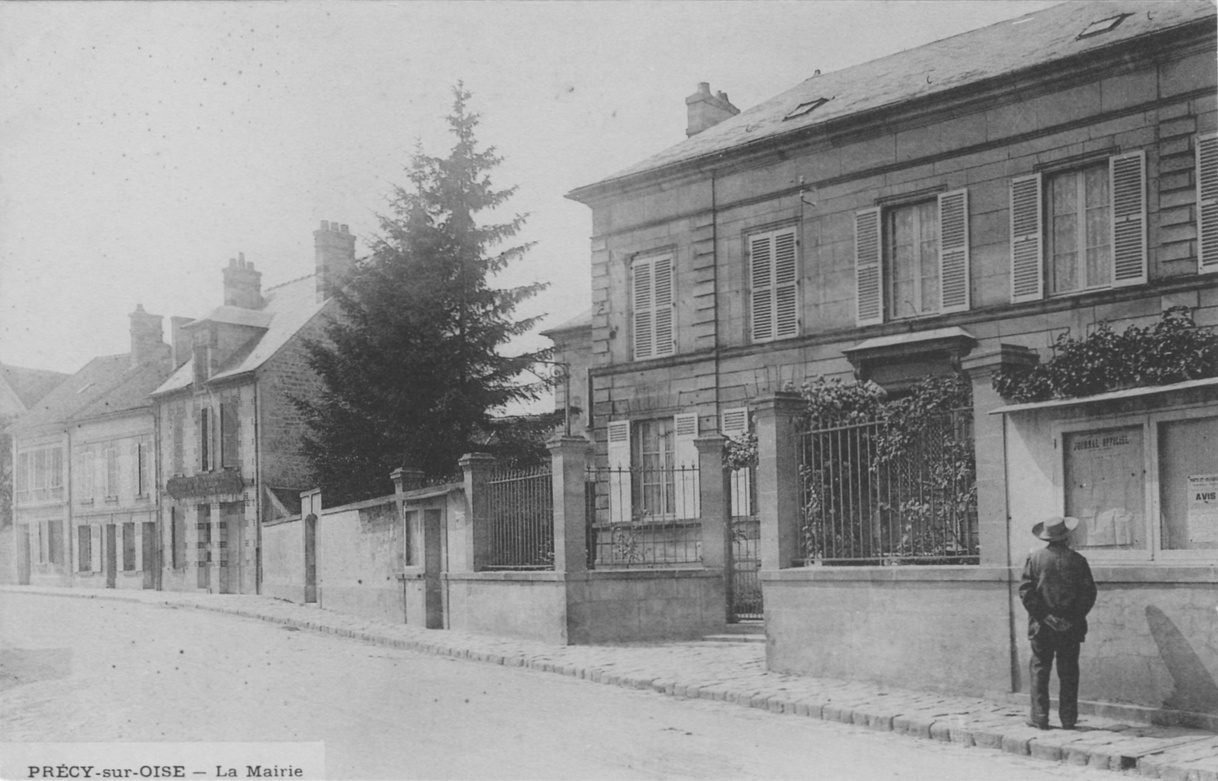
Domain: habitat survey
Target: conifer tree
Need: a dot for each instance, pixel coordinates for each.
(413, 365)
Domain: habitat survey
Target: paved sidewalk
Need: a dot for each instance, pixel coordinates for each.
(732, 671)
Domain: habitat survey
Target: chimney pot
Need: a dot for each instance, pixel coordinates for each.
(147, 342)
(242, 284)
(334, 247)
(705, 110)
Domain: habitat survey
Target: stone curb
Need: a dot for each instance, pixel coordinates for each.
(1118, 749)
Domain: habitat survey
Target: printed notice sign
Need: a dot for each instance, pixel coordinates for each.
(1202, 509)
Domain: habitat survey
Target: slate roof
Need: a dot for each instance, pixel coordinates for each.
(970, 58)
(106, 385)
(582, 320)
(288, 308)
(30, 385)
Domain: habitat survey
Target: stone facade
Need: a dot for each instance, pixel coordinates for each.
(771, 248)
(230, 436)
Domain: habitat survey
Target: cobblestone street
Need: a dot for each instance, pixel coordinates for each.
(114, 670)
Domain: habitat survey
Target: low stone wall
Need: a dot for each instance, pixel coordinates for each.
(619, 606)
(942, 629)
(528, 605)
(359, 558)
(1152, 643)
(283, 567)
(614, 606)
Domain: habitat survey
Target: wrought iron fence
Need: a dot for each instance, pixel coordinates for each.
(521, 519)
(890, 492)
(644, 517)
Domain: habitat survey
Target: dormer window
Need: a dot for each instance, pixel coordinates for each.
(1102, 26)
(806, 108)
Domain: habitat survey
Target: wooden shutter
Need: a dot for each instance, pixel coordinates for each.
(620, 485)
(735, 423)
(761, 274)
(1207, 204)
(1128, 188)
(652, 298)
(953, 251)
(1027, 245)
(774, 280)
(786, 284)
(665, 334)
(644, 330)
(229, 439)
(869, 282)
(685, 451)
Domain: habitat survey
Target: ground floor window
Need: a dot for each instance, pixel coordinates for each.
(128, 547)
(1143, 486)
(177, 537)
(54, 538)
(84, 548)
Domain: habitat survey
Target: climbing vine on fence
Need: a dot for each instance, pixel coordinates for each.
(1173, 350)
(912, 494)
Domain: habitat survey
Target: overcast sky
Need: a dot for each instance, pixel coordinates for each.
(144, 144)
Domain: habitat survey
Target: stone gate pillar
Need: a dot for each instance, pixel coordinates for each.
(990, 447)
(469, 537)
(570, 461)
(778, 485)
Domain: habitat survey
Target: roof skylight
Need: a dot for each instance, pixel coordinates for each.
(1102, 26)
(806, 108)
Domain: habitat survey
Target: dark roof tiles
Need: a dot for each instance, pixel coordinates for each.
(969, 58)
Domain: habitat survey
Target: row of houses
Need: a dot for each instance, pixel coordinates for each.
(156, 468)
(949, 210)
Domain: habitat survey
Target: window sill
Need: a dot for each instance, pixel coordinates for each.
(111, 500)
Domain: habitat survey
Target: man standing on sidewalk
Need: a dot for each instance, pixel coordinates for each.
(1058, 591)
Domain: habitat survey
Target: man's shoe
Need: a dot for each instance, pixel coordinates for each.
(1038, 725)
(1068, 726)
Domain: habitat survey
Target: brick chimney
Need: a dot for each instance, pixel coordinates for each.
(335, 251)
(147, 342)
(242, 285)
(179, 340)
(707, 110)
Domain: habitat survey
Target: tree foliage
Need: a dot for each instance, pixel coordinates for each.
(413, 366)
(1172, 350)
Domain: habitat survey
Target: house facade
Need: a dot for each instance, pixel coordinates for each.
(229, 434)
(85, 492)
(947, 210)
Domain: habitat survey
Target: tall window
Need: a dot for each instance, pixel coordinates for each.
(654, 492)
(912, 256)
(141, 469)
(177, 534)
(1079, 229)
(229, 434)
(39, 474)
(85, 469)
(54, 541)
(773, 284)
(652, 302)
(128, 546)
(912, 259)
(205, 440)
(110, 458)
(653, 468)
(178, 417)
(84, 548)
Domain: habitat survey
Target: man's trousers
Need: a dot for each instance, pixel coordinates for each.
(1046, 646)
